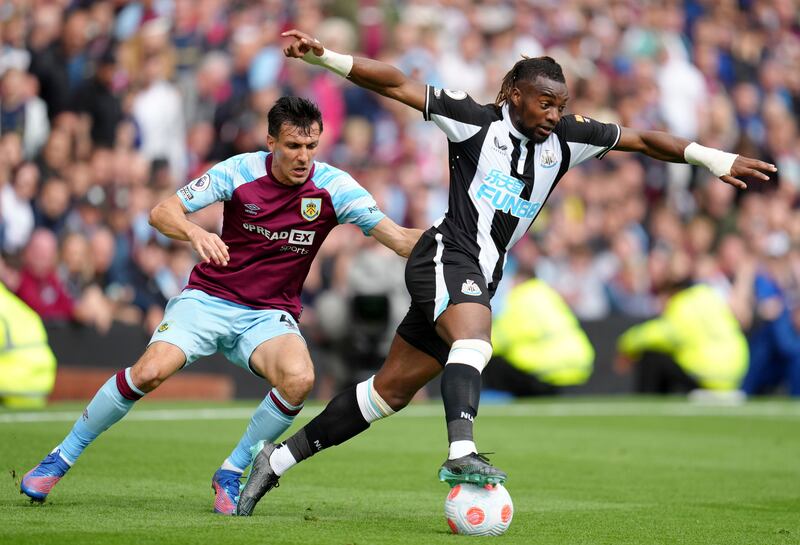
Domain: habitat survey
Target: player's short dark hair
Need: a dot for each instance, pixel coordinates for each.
(296, 111)
(528, 69)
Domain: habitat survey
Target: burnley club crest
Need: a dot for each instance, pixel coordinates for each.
(310, 208)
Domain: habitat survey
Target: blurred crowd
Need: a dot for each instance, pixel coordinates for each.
(108, 106)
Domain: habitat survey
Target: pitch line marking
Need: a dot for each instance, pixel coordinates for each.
(545, 410)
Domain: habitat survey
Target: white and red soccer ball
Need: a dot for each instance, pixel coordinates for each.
(478, 511)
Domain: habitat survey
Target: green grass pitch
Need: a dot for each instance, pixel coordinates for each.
(599, 471)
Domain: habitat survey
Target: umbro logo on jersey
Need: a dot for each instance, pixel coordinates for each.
(470, 288)
(548, 159)
(251, 209)
(499, 146)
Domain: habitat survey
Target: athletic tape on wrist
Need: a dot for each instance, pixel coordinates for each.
(333, 61)
(717, 161)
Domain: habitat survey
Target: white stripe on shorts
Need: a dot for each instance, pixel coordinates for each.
(442, 296)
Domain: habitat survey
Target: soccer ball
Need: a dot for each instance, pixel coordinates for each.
(478, 511)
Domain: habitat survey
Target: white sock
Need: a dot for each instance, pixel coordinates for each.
(461, 448)
(61, 455)
(228, 466)
(281, 460)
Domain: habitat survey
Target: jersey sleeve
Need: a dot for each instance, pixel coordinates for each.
(588, 138)
(215, 185)
(354, 204)
(455, 112)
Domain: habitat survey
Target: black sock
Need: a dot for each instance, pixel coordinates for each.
(339, 421)
(461, 393)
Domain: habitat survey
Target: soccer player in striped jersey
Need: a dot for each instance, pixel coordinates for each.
(243, 299)
(505, 160)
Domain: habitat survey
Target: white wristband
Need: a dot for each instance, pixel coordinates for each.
(717, 161)
(333, 61)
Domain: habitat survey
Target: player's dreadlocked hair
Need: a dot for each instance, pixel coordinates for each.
(296, 111)
(529, 68)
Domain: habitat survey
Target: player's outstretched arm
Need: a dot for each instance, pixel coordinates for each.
(368, 73)
(400, 239)
(169, 217)
(728, 167)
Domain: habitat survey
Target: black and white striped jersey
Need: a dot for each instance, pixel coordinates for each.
(499, 179)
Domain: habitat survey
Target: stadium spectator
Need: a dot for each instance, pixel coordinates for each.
(775, 338)
(97, 98)
(16, 199)
(22, 112)
(40, 287)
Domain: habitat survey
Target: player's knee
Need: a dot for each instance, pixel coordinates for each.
(473, 352)
(147, 375)
(396, 396)
(298, 385)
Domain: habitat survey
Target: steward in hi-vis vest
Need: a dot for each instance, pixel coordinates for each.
(27, 365)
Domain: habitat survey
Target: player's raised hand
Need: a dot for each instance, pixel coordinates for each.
(745, 166)
(302, 43)
(209, 247)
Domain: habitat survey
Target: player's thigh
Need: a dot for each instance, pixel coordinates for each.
(195, 322)
(465, 321)
(272, 347)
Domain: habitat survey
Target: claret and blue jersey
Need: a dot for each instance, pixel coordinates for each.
(273, 231)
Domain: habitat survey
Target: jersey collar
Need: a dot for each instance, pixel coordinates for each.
(275, 180)
(510, 126)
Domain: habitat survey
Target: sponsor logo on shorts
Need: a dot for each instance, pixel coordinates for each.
(310, 208)
(251, 209)
(470, 288)
(187, 194)
(163, 327)
(288, 322)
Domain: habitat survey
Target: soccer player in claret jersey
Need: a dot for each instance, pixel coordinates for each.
(505, 160)
(243, 299)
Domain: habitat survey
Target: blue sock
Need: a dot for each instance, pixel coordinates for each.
(109, 405)
(270, 420)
